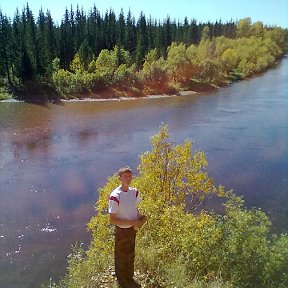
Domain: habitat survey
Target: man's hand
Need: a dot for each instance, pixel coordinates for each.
(140, 221)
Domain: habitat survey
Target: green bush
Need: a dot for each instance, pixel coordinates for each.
(277, 263)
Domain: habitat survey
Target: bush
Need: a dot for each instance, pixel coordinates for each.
(277, 263)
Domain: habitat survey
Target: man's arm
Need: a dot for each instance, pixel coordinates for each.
(116, 221)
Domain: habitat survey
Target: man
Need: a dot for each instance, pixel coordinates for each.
(125, 216)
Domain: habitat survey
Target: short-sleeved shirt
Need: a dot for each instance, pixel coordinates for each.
(124, 204)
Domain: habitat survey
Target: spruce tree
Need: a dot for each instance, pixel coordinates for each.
(121, 29)
(130, 33)
(142, 40)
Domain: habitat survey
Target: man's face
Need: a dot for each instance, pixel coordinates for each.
(126, 178)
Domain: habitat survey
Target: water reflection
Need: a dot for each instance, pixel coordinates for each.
(86, 135)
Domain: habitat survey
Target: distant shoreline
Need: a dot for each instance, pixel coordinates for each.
(152, 96)
(114, 99)
(204, 87)
(110, 94)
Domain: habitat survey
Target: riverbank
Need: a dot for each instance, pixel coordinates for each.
(106, 94)
(89, 99)
(43, 93)
(162, 90)
(152, 96)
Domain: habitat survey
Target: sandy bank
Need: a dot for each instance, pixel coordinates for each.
(181, 93)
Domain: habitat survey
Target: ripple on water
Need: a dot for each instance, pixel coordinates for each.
(48, 228)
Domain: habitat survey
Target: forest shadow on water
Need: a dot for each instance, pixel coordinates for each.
(37, 93)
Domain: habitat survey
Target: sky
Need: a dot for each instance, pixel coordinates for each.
(269, 12)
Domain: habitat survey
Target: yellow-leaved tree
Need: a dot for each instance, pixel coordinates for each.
(172, 181)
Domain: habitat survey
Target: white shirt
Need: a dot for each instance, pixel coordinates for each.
(124, 204)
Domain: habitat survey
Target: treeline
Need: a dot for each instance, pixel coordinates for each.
(36, 42)
(87, 53)
(184, 68)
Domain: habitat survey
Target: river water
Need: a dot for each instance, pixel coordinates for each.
(53, 159)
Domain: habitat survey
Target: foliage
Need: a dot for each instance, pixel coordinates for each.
(277, 263)
(106, 64)
(86, 54)
(154, 72)
(182, 245)
(179, 67)
(244, 27)
(77, 65)
(4, 93)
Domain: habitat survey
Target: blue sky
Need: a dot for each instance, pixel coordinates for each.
(270, 12)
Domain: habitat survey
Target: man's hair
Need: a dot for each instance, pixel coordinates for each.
(123, 170)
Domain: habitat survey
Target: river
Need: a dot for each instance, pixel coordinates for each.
(53, 159)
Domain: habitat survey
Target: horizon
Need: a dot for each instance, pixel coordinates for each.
(265, 11)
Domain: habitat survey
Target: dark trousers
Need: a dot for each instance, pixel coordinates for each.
(124, 255)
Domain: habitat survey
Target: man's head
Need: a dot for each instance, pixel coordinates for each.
(125, 175)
